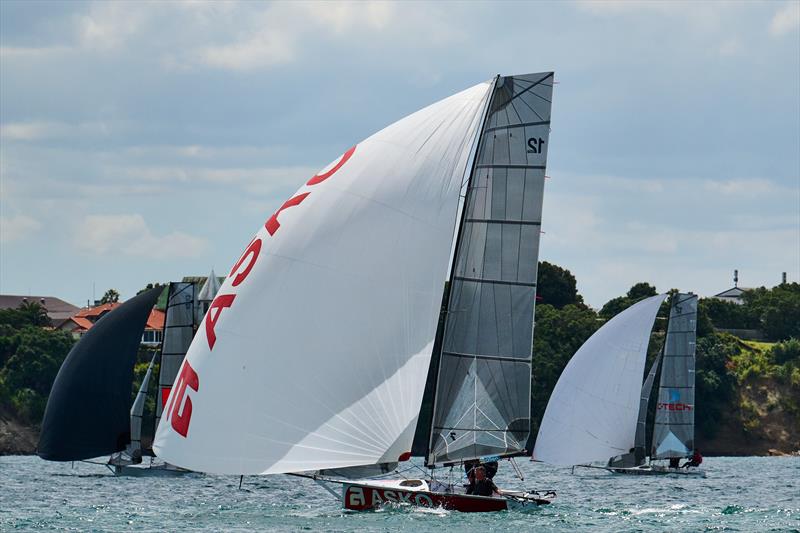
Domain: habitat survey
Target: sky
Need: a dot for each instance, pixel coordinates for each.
(143, 142)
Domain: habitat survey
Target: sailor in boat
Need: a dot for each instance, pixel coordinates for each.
(674, 462)
(695, 461)
(482, 485)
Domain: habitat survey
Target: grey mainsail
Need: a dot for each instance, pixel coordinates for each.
(483, 385)
(179, 329)
(673, 434)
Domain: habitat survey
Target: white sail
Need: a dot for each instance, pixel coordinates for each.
(593, 410)
(315, 350)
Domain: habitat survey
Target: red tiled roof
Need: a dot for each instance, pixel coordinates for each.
(97, 310)
(155, 320)
(85, 318)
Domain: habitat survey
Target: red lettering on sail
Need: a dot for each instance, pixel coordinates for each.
(272, 224)
(180, 417)
(252, 251)
(319, 178)
(164, 396)
(219, 303)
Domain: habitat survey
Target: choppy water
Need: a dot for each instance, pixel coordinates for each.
(739, 494)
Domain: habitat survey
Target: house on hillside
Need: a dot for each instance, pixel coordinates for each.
(82, 321)
(734, 294)
(57, 309)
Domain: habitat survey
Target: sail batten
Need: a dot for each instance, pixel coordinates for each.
(482, 401)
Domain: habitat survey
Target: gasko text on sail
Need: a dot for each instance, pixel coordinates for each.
(179, 408)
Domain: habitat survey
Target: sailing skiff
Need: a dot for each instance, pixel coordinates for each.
(598, 408)
(89, 413)
(319, 354)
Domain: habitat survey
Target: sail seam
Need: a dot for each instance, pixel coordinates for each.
(501, 221)
(495, 281)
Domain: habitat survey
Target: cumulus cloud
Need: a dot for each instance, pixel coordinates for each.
(129, 234)
(786, 20)
(17, 227)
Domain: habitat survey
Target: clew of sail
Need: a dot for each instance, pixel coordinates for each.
(313, 355)
(483, 387)
(593, 410)
(673, 434)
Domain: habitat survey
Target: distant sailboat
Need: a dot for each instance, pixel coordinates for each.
(314, 355)
(88, 413)
(185, 308)
(598, 408)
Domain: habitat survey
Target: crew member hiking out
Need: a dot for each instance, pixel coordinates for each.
(482, 486)
(695, 461)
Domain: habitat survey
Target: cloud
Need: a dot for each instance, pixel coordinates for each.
(38, 130)
(786, 20)
(17, 227)
(130, 235)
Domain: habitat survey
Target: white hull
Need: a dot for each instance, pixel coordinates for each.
(654, 470)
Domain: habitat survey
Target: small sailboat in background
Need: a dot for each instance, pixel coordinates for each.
(316, 354)
(89, 415)
(598, 408)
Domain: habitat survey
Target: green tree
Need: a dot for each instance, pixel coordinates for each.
(786, 352)
(714, 382)
(150, 286)
(27, 314)
(556, 286)
(641, 291)
(638, 291)
(28, 372)
(110, 297)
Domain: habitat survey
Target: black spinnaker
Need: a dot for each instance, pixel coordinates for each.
(88, 411)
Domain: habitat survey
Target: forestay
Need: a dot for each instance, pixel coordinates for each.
(593, 409)
(179, 321)
(314, 353)
(482, 402)
(673, 435)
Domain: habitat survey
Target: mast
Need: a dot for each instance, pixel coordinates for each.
(673, 432)
(482, 401)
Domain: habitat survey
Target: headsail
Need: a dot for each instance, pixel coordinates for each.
(88, 411)
(639, 454)
(137, 410)
(482, 401)
(179, 327)
(673, 435)
(593, 410)
(314, 353)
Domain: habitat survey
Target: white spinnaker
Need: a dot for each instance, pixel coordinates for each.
(320, 361)
(593, 409)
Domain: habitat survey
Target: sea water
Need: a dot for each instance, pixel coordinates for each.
(739, 494)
